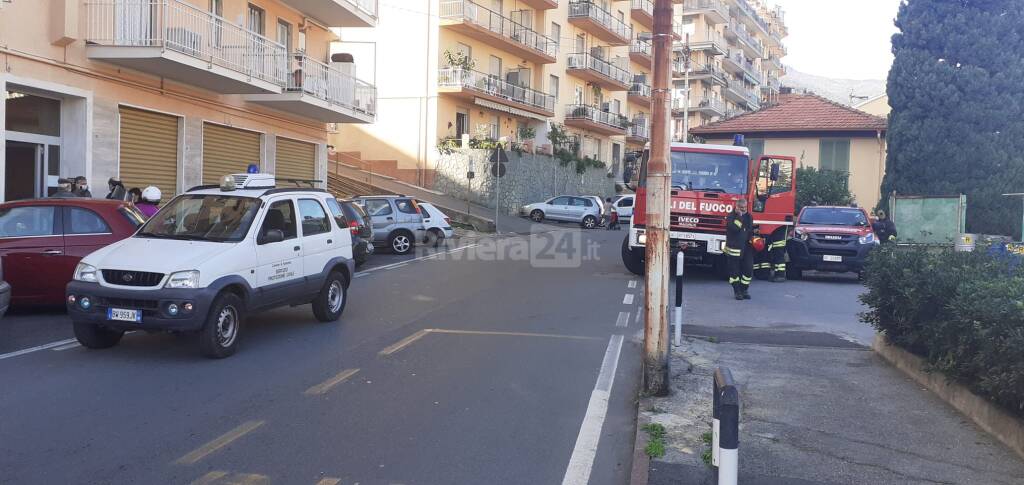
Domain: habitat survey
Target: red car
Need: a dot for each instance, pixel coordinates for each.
(41, 241)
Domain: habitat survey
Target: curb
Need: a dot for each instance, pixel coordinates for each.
(641, 462)
(1006, 428)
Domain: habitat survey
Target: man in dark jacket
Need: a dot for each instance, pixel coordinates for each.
(739, 254)
(885, 229)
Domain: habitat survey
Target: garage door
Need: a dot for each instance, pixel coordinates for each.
(227, 151)
(149, 150)
(295, 159)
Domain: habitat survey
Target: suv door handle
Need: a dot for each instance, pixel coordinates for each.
(53, 252)
(330, 241)
(390, 218)
(295, 248)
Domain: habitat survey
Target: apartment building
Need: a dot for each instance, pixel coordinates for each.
(174, 93)
(489, 69)
(735, 49)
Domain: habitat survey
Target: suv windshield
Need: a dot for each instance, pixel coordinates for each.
(717, 172)
(833, 216)
(218, 218)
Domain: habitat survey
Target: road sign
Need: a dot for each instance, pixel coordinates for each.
(470, 174)
(498, 155)
(498, 169)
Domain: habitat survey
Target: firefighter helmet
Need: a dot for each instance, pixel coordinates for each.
(757, 243)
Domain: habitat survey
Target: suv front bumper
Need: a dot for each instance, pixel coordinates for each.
(810, 255)
(152, 303)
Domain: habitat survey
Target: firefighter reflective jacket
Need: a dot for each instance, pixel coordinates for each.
(738, 230)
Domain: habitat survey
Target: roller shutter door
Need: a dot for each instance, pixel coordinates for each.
(295, 159)
(227, 151)
(148, 153)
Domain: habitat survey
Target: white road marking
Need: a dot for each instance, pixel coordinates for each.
(36, 348)
(401, 344)
(220, 442)
(623, 319)
(631, 284)
(68, 346)
(582, 461)
(628, 299)
(407, 261)
(325, 386)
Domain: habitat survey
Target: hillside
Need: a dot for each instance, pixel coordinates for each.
(837, 90)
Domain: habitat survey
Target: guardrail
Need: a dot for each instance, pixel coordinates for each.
(469, 11)
(583, 60)
(487, 84)
(584, 112)
(640, 47)
(180, 27)
(640, 89)
(639, 129)
(330, 84)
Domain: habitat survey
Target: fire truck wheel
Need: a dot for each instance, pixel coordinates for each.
(633, 259)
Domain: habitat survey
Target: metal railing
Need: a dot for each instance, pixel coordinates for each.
(330, 84)
(588, 9)
(744, 36)
(645, 5)
(640, 89)
(706, 41)
(590, 113)
(583, 60)
(468, 11)
(180, 27)
(640, 47)
(752, 14)
(639, 129)
(368, 7)
(455, 77)
(746, 65)
(717, 5)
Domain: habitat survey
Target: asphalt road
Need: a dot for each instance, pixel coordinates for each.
(480, 363)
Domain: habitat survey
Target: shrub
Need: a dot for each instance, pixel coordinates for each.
(822, 187)
(962, 312)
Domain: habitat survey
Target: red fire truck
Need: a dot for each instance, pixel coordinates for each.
(707, 180)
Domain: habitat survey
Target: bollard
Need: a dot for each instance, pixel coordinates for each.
(677, 312)
(725, 427)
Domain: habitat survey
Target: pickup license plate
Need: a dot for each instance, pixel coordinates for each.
(124, 315)
(832, 259)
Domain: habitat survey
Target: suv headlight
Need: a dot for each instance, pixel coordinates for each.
(802, 235)
(183, 279)
(85, 272)
(868, 239)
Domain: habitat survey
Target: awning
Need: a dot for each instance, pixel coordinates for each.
(508, 109)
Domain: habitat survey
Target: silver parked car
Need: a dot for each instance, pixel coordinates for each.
(397, 221)
(569, 208)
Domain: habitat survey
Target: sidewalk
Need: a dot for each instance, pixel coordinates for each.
(815, 414)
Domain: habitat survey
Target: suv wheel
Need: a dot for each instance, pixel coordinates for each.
(96, 337)
(400, 242)
(219, 337)
(589, 222)
(537, 215)
(329, 304)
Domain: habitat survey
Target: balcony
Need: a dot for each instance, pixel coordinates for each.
(639, 131)
(339, 13)
(739, 65)
(592, 119)
(324, 93)
(708, 106)
(640, 93)
(473, 84)
(643, 12)
(640, 53)
(750, 16)
(599, 22)
(466, 17)
(713, 44)
(174, 40)
(771, 86)
(736, 92)
(714, 11)
(598, 71)
(707, 73)
(540, 4)
(751, 46)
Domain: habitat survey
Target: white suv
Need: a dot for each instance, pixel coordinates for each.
(211, 256)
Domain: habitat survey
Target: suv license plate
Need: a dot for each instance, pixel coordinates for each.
(124, 315)
(832, 259)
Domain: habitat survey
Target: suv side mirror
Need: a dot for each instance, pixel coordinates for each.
(272, 236)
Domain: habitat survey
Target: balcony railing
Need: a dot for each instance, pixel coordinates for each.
(640, 89)
(640, 47)
(583, 60)
(752, 99)
(639, 129)
(330, 84)
(716, 5)
(180, 27)
(453, 77)
(369, 7)
(588, 9)
(752, 14)
(744, 36)
(645, 5)
(746, 65)
(712, 41)
(592, 114)
(468, 11)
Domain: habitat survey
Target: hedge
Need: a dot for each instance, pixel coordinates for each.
(963, 312)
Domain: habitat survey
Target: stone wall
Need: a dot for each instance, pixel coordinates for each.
(528, 178)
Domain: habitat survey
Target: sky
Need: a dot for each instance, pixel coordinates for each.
(848, 39)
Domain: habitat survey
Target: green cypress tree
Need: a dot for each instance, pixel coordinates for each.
(956, 88)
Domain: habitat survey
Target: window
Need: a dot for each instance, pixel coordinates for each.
(405, 206)
(577, 95)
(834, 155)
(495, 67)
(378, 207)
(339, 215)
(29, 113)
(556, 33)
(497, 6)
(26, 221)
(581, 202)
(560, 201)
(495, 127)
(314, 219)
(280, 216)
(284, 35)
(85, 221)
(461, 123)
(553, 85)
(581, 43)
(217, 7)
(616, 106)
(257, 19)
(465, 50)
(756, 148)
(625, 202)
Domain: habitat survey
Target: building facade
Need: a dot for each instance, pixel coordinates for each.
(518, 69)
(174, 93)
(735, 50)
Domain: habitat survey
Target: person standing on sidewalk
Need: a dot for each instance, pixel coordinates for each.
(739, 254)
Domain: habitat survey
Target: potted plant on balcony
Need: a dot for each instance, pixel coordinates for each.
(459, 60)
(526, 135)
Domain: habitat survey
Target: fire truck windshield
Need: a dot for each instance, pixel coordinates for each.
(710, 172)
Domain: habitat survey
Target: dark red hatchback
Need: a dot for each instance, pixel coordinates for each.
(41, 241)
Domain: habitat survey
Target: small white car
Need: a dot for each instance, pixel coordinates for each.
(571, 208)
(438, 225)
(210, 257)
(624, 206)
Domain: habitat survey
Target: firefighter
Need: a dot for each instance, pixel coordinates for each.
(777, 256)
(739, 253)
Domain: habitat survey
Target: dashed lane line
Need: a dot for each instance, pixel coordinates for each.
(622, 320)
(329, 481)
(325, 386)
(631, 284)
(407, 341)
(221, 441)
(68, 346)
(37, 348)
(628, 299)
(401, 344)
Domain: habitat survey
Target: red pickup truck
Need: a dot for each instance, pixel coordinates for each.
(830, 238)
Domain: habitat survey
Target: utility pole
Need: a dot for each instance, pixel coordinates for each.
(658, 195)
